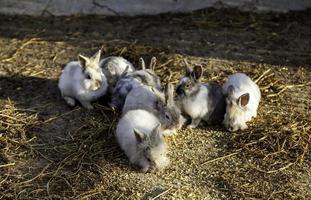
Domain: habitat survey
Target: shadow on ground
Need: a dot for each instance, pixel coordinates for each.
(279, 39)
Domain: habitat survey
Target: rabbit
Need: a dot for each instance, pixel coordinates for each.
(83, 80)
(147, 75)
(200, 101)
(134, 79)
(160, 104)
(242, 96)
(139, 135)
(114, 67)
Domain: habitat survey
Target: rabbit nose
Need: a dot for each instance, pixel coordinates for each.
(140, 168)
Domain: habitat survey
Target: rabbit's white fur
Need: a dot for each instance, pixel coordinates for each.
(195, 106)
(145, 122)
(74, 85)
(114, 68)
(236, 115)
(202, 102)
(116, 65)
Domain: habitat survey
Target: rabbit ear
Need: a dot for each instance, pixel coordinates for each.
(139, 135)
(243, 100)
(158, 94)
(142, 63)
(82, 60)
(169, 94)
(188, 68)
(153, 63)
(96, 57)
(197, 72)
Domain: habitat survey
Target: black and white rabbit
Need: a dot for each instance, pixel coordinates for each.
(200, 101)
(135, 79)
(114, 67)
(83, 80)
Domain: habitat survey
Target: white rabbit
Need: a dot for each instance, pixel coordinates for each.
(114, 67)
(139, 135)
(83, 80)
(200, 101)
(135, 79)
(162, 105)
(243, 96)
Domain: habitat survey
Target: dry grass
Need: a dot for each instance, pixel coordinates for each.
(49, 151)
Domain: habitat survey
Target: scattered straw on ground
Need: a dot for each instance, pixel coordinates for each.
(51, 151)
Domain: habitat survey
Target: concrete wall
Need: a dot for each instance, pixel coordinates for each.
(138, 7)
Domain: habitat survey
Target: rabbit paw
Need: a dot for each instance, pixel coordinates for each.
(243, 126)
(194, 123)
(70, 101)
(169, 132)
(192, 126)
(87, 105)
(114, 106)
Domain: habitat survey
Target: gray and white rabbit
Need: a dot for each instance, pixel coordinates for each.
(83, 80)
(161, 104)
(147, 75)
(139, 135)
(114, 67)
(135, 79)
(200, 101)
(242, 96)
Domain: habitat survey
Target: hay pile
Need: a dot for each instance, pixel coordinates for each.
(15, 144)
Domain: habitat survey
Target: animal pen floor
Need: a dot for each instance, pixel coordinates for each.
(51, 151)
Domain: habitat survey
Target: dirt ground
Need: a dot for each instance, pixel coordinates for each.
(51, 151)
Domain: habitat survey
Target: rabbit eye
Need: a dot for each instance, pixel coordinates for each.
(167, 116)
(88, 76)
(187, 86)
(148, 159)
